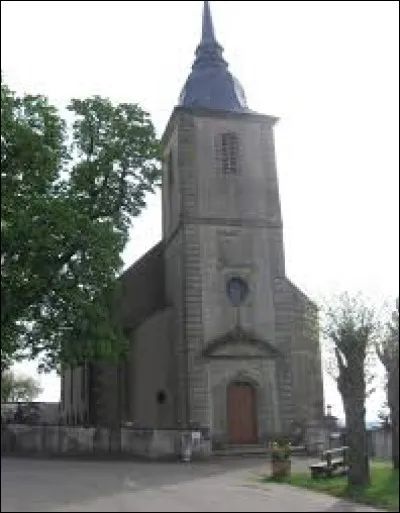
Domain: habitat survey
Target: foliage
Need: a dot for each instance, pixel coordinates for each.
(383, 490)
(18, 388)
(351, 326)
(387, 349)
(68, 197)
(280, 451)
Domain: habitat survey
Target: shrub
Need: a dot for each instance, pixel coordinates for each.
(280, 451)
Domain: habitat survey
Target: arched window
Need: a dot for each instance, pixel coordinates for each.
(227, 146)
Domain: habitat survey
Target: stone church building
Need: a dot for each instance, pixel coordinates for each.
(220, 337)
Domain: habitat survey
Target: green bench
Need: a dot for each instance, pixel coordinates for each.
(332, 461)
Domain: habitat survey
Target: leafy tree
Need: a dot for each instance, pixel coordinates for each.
(18, 388)
(68, 197)
(387, 350)
(350, 325)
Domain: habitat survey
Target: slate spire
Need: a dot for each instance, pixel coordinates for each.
(207, 33)
(209, 52)
(210, 84)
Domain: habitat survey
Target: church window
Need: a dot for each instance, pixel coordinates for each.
(237, 290)
(228, 152)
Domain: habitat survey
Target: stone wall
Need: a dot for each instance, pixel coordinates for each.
(300, 372)
(18, 439)
(151, 366)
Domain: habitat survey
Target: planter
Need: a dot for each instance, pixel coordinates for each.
(281, 468)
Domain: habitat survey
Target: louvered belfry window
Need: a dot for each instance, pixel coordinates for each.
(227, 147)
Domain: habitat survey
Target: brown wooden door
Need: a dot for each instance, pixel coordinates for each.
(242, 425)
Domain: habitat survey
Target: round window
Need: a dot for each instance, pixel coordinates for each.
(237, 290)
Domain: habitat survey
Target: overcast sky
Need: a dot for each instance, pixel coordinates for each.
(329, 70)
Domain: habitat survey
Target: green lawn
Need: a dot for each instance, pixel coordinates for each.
(382, 492)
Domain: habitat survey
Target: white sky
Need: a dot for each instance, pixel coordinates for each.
(329, 70)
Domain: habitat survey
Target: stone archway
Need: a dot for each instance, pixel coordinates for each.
(242, 413)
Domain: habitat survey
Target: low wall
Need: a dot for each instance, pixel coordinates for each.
(19, 439)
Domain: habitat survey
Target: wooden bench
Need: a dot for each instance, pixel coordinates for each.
(331, 461)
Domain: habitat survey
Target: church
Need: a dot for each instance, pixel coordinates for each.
(220, 338)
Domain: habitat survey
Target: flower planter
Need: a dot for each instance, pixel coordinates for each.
(281, 468)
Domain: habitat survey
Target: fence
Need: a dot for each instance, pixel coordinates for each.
(380, 443)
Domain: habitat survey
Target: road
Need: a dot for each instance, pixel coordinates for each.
(220, 485)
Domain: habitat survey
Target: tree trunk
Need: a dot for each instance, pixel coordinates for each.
(393, 400)
(394, 414)
(395, 439)
(358, 474)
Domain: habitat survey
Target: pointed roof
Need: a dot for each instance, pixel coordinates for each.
(207, 33)
(210, 84)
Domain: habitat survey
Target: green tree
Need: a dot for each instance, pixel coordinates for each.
(387, 349)
(350, 327)
(18, 388)
(68, 197)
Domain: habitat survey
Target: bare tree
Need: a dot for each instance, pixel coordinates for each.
(350, 327)
(387, 349)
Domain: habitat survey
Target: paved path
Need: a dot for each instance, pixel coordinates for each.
(222, 485)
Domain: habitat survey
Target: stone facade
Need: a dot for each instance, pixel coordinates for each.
(210, 235)
(189, 340)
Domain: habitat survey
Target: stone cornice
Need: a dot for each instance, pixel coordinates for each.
(201, 112)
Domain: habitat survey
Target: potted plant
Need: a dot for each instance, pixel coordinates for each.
(280, 458)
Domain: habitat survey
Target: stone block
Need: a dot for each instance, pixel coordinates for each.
(136, 441)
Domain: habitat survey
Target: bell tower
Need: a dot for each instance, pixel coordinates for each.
(224, 257)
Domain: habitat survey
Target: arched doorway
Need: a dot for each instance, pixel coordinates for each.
(242, 413)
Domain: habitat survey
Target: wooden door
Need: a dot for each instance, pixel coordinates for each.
(242, 424)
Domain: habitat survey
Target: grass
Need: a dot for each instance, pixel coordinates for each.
(383, 491)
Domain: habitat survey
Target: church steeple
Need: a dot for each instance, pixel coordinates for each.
(210, 84)
(207, 33)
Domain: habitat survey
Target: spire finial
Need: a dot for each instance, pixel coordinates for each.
(207, 34)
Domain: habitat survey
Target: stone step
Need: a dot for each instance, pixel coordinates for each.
(241, 450)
